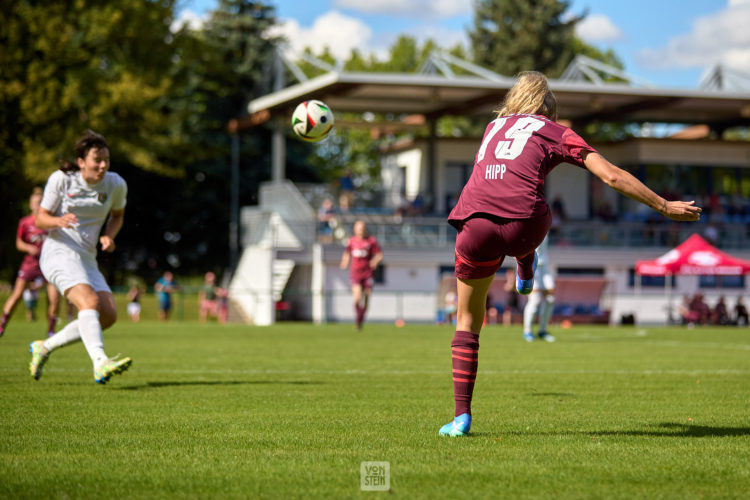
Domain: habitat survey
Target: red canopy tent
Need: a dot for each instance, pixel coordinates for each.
(695, 256)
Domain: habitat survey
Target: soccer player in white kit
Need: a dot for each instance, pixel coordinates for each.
(542, 297)
(77, 200)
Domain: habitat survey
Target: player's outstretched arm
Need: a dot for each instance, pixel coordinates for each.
(623, 182)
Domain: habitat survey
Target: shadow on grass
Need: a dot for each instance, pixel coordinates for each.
(553, 394)
(682, 430)
(182, 383)
(669, 429)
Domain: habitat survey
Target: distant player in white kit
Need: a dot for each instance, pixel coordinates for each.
(542, 297)
(77, 199)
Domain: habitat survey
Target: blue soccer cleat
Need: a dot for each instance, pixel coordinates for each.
(459, 427)
(528, 336)
(525, 287)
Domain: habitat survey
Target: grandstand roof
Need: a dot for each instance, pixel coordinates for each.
(434, 95)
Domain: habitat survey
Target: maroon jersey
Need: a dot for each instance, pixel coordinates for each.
(29, 233)
(517, 153)
(362, 251)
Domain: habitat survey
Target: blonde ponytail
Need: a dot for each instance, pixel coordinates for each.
(530, 95)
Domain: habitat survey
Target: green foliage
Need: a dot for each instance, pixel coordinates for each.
(78, 65)
(206, 411)
(509, 36)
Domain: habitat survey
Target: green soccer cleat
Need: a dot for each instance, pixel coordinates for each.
(110, 367)
(39, 355)
(459, 427)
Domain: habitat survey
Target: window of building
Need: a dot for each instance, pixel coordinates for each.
(721, 282)
(649, 281)
(580, 271)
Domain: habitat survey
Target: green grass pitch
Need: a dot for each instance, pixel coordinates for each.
(291, 411)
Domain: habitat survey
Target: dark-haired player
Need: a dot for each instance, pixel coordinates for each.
(78, 199)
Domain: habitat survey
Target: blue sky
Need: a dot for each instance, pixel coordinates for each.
(669, 43)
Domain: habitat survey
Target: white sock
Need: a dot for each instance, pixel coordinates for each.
(66, 336)
(532, 305)
(546, 312)
(91, 335)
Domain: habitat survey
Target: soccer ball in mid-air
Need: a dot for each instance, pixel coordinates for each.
(312, 120)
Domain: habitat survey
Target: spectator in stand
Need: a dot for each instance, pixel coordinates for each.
(720, 313)
(558, 208)
(165, 287)
(605, 212)
(417, 207)
(346, 191)
(134, 303)
(700, 308)
(740, 313)
(326, 221)
(689, 317)
(208, 298)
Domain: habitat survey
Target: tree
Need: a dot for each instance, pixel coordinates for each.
(68, 66)
(215, 71)
(509, 36)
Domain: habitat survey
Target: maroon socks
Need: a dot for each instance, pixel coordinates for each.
(4, 322)
(51, 325)
(360, 315)
(465, 354)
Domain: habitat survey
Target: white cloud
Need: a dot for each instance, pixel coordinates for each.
(722, 37)
(191, 19)
(431, 9)
(338, 32)
(598, 28)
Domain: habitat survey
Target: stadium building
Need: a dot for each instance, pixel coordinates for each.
(691, 144)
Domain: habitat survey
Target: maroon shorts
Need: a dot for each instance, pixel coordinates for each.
(30, 273)
(484, 240)
(364, 281)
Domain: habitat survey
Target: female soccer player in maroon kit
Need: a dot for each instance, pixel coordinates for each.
(364, 253)
(502, 211)
(29, 239)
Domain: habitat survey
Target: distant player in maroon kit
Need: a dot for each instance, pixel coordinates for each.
(502, 211)
(29, 239)
(364, 253)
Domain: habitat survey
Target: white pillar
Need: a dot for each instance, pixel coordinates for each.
(318, 285)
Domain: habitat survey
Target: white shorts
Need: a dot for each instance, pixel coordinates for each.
(134, 308)
(65, 268)
(544, 279)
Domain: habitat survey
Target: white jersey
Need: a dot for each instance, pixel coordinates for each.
(543, 277)
(542, 252)
(91, 204)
